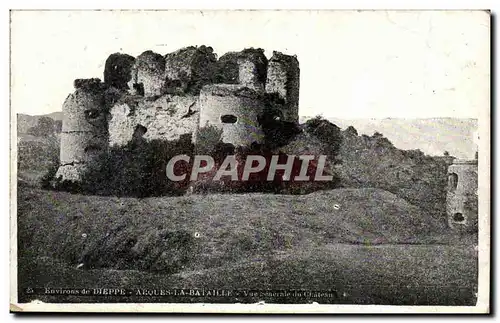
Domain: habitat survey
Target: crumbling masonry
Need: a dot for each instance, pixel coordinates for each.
(166, 97)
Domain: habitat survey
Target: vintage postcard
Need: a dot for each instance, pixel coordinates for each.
(250, 161)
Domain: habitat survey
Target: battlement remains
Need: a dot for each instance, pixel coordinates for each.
(247, 67)
(283, 77)
(188, 69)
(148, 75)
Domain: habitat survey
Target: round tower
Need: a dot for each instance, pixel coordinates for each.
(84, 134)
(234, 109)
(462, 197)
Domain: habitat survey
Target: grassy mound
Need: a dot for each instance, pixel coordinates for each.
(202, 231)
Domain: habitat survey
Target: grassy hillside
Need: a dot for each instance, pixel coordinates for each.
(373, 161)
(128, 233)
(361, 161)
(252, 241)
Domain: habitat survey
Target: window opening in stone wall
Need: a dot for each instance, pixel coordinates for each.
(458, 217)
(139, 131)
(228, 118)
(452, 182)
(92, 114)
(139, 88)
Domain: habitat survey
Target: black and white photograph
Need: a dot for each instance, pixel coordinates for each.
(264, 161)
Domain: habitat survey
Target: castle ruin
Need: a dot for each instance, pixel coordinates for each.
(172, 96)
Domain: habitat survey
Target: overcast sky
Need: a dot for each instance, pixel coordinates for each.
(353, 64)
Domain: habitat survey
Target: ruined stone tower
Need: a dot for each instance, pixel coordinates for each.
(188, 69)
(234, 109)
(283, 78)
(461, 202)
(148, 74)
(84, 133)
(234, 106)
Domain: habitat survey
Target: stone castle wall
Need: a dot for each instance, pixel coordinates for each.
(118, 70)
(165, 97)
(148, 75)
(166, 118)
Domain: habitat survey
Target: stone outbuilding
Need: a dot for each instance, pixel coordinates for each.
(462, 195)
